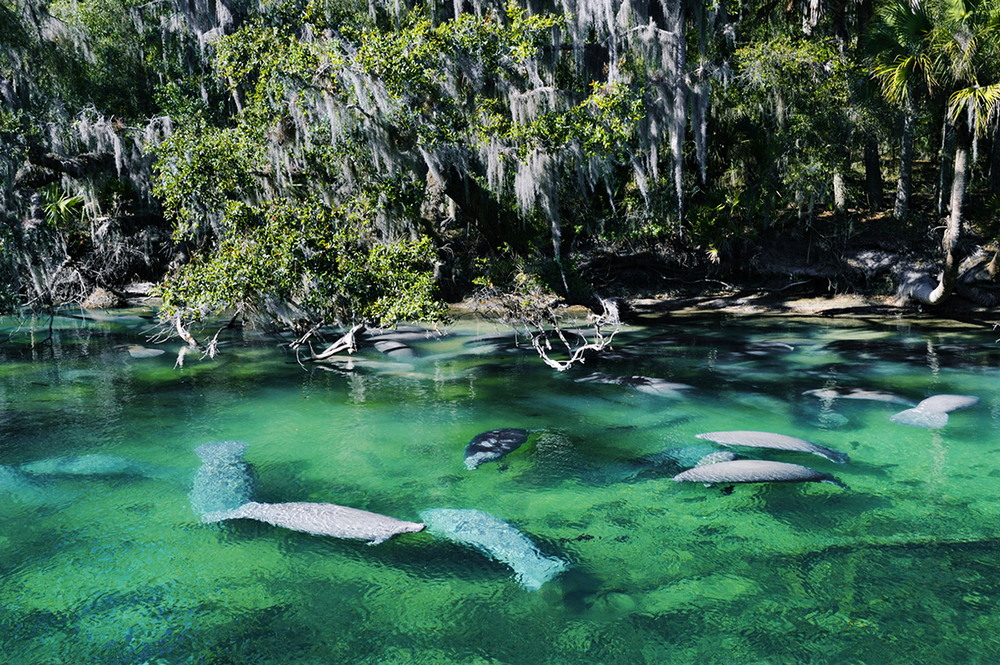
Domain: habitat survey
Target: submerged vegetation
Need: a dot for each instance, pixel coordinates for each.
(321, 162)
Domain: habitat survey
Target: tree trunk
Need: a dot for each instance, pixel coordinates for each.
(873, 174)
(995, 162)
(947, 167)
(905, 182)
(953, 228)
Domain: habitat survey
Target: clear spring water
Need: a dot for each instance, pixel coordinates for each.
(114, 567)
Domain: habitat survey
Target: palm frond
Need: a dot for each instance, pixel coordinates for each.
(980, 102)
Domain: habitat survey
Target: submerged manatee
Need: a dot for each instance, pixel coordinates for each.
(321, 519)
(716, 458)
(224, 481)
(933, 411)
(493, 445)
(775, 442)
(681, 457)
(138, 351)
(22, 486)
(394, 349)
(857, 393)
(654, 386)
(767, 348)
(645, 384)
(667, 462)
(498, 540)
(94, 465)
(754, 471)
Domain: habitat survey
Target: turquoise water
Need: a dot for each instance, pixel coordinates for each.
(114, 567)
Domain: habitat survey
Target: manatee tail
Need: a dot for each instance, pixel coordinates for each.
(532, 574)
(834, 455)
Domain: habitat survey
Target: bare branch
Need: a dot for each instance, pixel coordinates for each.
(348, 342)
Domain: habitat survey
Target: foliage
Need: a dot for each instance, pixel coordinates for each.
(799, 91)
(305, 264)
(339, 138)
(201, 169)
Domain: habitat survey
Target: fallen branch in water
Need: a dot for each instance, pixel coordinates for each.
(539, 318)
(347, 342)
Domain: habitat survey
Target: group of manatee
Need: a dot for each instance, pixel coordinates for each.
(224, 485)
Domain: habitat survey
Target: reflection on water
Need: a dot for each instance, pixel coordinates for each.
(104, 559)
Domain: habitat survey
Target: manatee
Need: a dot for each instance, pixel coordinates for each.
(857, 393)
(394, 349)
(646, 384)
(682, 457)
(667, 462)
(138, 351)
(754, 471)
(654, 386)
(774, 441)
(716, 458)
(933, 412)
(767, 348)
(599, 377)
(94, 465)
(498, 540)
(321, 519)
(402, 333)
(22, 486)
(493, 445)
(224, 481)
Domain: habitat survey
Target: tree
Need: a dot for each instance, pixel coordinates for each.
(303, 266)
(905, 65)
(967, 67)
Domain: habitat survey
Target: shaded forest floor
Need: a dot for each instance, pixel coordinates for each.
(852, 264)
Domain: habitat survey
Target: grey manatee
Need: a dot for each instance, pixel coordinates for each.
(23, 487)
(680, 457)
(498, 540)
(599, 377)
(138, 351)
(224, 481)
(492, 445)
(716, 458)
(394, 349)
(321, 519)
(96, 464)
(767, 348)
(754, 471)
(857, 393)
(645, 384)
(654, 386)
(667, 462)
(403, 333)
(933, 412)
(775, 442)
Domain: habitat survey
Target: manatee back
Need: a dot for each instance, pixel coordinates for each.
(492, 445)
(498, 540)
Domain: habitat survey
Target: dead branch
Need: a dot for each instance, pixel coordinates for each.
(348, 342)
(578, 351)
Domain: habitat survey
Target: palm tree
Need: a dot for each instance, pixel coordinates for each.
(904, 66)
(966, 42)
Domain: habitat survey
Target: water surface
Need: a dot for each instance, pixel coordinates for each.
(114, 566)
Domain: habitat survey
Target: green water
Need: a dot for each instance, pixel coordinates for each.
(115, 568)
